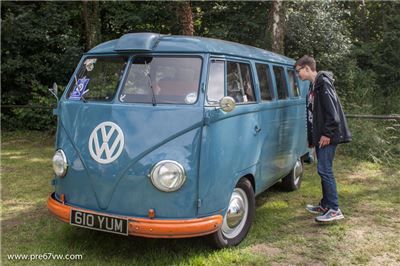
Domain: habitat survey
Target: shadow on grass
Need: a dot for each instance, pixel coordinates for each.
(145, 251)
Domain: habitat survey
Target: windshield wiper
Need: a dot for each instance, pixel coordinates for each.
(153, 95)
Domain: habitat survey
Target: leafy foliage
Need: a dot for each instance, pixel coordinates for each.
(375, 141)
(317, 29)
(43, 41)
(237, 21)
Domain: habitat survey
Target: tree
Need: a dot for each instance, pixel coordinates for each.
(238, 21)
(318, 29)
(91, 23)
(185, 17)
(276, 25)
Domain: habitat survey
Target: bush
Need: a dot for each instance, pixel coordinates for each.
(34, 118)
(377, 141)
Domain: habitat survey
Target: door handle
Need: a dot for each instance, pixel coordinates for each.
(257, 129)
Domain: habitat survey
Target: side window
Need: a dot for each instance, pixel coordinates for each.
(280, 83)
(239, 82)
(293, 83)
(216, 81)
(265, 82)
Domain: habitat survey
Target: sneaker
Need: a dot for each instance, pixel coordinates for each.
(316, 209)
(330, 215)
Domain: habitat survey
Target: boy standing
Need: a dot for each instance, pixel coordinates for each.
(327, 127)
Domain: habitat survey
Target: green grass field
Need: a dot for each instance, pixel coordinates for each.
(283, 233)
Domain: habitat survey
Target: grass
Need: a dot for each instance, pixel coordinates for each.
(283, 233)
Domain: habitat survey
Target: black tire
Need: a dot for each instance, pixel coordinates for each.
(292, 181)
(221, 238)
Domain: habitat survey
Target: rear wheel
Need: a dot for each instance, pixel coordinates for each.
(293, 180)
(238, 218)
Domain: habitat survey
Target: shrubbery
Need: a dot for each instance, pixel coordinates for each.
(377, 141)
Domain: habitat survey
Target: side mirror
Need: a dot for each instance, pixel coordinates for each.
(227, 104)
(54, 90)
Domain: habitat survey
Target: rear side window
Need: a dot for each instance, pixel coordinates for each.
(264, 80)
(239, 82)
(293, 83)
(280, 82)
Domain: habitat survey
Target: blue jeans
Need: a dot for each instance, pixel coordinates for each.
(325, 158)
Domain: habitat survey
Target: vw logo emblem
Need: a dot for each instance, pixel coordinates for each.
(106, 142)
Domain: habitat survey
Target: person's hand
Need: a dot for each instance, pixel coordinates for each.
(324, 141)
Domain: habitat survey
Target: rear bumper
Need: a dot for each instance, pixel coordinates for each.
(145, 227)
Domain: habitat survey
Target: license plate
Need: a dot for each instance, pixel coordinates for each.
(99, 222)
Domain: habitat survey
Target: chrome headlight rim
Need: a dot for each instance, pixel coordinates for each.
(65, 163)
(158, 185)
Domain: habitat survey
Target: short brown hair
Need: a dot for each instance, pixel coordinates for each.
(307, 60)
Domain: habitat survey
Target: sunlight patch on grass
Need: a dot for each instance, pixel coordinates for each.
(14, 208)
(16, 157)
(277, 204)
(35, 160)
(11, 153)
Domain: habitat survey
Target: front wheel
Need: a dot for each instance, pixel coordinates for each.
(238, 218)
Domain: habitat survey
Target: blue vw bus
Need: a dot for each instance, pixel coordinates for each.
(173, 136)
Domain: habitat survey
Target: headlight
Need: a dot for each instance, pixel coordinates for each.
(60, 163)
(168, 176)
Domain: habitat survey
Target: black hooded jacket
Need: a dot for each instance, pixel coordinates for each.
(328, 116)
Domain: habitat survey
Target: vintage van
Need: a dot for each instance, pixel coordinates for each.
(173, 136)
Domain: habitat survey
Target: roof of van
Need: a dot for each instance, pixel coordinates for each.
(154, 42)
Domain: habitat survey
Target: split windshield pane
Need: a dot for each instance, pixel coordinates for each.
(98, 79)
(162, 80)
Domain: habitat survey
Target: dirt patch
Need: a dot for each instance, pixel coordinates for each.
(27, 216)
(264, 249)
(6, 170)
(294, 259)
(9, 224)
(384, 259)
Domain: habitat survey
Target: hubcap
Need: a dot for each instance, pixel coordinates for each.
(298, 171)
(235, 217)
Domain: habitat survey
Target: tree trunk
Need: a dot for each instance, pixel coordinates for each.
(275, 29)
(185, 18)
(365, 35)
(85, 28)
(91, 23)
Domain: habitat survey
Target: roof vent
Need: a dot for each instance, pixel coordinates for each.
(144, 41)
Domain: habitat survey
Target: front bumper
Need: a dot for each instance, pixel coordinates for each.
(146, 227)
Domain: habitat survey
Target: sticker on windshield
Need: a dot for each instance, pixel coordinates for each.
(191, 98)
(89, 64)
(80, 89)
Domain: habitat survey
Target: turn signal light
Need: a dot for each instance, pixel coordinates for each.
(151, 213)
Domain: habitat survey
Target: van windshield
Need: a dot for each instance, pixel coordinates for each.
(162, 79)
(98, 78)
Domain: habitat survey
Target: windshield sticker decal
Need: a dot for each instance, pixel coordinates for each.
(191, 98)
(80, 89)
(89, 64)
(122, 97)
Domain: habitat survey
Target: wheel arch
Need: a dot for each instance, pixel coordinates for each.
(249, 177)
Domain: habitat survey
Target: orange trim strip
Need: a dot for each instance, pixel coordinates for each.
(153, 228)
